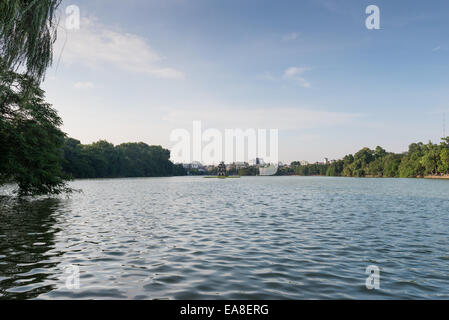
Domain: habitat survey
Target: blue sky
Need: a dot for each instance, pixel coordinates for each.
(138, 69)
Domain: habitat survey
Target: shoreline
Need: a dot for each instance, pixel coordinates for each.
(445, 177)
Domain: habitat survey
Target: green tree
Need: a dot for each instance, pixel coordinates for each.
(31, 140)
(104, 160)
(76, 162)
(431, 159)
(361, 161)
(249, 171)
(379, 152)
(302, 170)
(411, 166)
(347, 165)
(376, 167)
(27, 33)
(391, 165)
(443, 165)
(335, 169)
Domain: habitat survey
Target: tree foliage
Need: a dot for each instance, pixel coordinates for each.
(27, 33)
(30, 137)
(420, 160)
(104, 160)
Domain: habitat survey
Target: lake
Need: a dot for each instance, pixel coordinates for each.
(248, 238)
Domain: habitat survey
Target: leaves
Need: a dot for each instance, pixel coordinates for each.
(104, 160)
(30, 139)
(27, 33)
(420, 160)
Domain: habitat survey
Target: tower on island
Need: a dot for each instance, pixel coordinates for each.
(222, 169)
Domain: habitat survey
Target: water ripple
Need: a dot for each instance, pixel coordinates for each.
(249, 238)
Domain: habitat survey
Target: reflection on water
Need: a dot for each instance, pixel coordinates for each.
(27, 243)
(248, 238)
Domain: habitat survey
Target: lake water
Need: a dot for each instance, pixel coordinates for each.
(248, 238)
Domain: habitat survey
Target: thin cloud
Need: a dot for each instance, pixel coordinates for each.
(292, 73)
(296, 73)
(95, 44)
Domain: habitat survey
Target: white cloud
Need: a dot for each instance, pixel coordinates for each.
(83, 85)
(95, 44)
(290, 36)
(296, 73)
(304, 83)
(292, 73)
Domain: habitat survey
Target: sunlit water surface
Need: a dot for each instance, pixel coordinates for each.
(248, 238)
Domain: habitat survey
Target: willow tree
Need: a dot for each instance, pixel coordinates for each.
(27, 34)
(30, 135)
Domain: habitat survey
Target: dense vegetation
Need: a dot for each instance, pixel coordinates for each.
(27, 33)
(420, 160)
(104, 160)
(295, 168)
(30, 138)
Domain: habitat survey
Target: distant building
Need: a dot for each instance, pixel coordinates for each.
(257, 162)
(196, 165)
(269, 170)
(240, 165)
(193, 165)
(304, 163)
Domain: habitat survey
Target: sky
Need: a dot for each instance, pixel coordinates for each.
(138, 69)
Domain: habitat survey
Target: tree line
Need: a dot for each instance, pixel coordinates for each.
(104, 160)
(419, 161)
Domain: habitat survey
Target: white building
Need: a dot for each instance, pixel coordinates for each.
(193, 165)
(269, 170)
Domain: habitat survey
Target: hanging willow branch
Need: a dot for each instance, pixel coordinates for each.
(27, 34)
